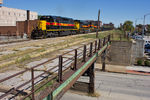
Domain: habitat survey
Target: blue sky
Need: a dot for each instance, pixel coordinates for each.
(116, 11)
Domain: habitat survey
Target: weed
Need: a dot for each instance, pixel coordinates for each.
(147, 63)
(94, 94)
(139, 62)
(22, 59)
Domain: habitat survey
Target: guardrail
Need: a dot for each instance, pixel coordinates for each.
(68, 60)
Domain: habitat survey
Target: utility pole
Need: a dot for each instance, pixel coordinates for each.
(98, 24)
(144, 24)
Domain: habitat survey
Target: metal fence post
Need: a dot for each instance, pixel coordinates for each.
(84, 53)
(91, 47)
(60, 68)
(32, 78)
(103, 58)
(104, 42)
(75, 60)
(112, 36)
(120, 37)
(108, 38)
(99, 44)
(91, 79)
(95, 46)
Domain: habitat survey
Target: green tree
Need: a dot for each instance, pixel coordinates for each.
(128, 26)
(139, 28)
(148, 28)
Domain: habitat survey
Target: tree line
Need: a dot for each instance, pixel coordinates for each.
(128, 27)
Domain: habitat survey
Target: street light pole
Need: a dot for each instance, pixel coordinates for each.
(135, 22)
(144, 24)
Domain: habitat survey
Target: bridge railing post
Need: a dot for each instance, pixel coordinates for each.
(95, 46)
(120, 37)
(60, 68)
(108, 38)
(104, 42)
(91, 79)
(75, 60)
(32, 78)
(84, 53)
(91, 47)
(99, 44)
(103, 57)
(112, 36)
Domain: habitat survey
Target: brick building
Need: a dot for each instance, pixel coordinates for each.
(17, 22)
(109, 26)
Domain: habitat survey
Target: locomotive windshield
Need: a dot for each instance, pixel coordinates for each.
(47, 18)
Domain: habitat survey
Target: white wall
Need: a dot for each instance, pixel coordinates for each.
(9, 16)
(1, 1)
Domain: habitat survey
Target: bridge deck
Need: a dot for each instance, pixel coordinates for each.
(59, 75)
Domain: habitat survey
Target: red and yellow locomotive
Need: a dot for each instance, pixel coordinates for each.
(58, 26)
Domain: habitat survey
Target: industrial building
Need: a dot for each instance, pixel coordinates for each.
(9, 16)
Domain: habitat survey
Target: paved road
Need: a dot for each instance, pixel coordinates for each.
(114, 86)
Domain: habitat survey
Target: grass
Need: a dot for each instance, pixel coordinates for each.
(96, 94)
(40, 52)
(93, 36)
(101, 35)
(22, 59)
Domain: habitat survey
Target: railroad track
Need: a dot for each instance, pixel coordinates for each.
(8, 42)
(16, 41)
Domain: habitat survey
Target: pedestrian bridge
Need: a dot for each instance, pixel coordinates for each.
(55, 80)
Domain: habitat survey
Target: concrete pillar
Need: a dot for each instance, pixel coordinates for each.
(91, 79)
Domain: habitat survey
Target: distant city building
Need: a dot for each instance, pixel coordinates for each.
(1, 1)
(95, 22)
(109, 26)
(9, 16)
(139, 28)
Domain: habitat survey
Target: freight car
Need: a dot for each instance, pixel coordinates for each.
(49, 26)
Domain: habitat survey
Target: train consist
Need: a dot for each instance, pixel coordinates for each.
(49, 26)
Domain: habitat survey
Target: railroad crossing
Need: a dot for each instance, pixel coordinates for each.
(58, 77)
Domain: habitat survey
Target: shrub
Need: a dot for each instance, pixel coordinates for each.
(147, 63)
(139, 62)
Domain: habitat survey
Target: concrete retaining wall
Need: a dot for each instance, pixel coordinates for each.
(124, 52)
(120, 53)
(137, 50)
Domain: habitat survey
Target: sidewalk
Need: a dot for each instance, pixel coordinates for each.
(140, 70)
